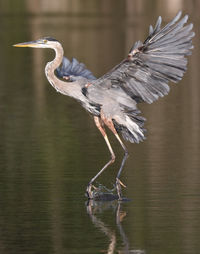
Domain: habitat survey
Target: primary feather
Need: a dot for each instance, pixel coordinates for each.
(145, 73)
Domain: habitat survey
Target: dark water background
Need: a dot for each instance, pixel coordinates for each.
(50, 147)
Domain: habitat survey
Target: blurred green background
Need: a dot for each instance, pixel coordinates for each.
(50, 147)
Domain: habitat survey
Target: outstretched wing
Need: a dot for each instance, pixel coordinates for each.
(73, 69)
(145, 73)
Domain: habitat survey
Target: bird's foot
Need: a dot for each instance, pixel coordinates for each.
(100, 193)
(119, 189)
(103, 193)
(90, 191)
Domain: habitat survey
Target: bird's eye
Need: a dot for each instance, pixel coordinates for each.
(45, 41)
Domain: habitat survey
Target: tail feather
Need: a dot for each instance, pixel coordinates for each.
(131, 127)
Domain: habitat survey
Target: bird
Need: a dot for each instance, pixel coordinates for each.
(113, 99)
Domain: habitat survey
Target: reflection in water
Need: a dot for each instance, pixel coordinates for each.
(96, 208)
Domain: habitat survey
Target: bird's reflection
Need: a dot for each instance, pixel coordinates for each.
(95, 209)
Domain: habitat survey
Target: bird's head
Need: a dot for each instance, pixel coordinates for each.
(46, 42)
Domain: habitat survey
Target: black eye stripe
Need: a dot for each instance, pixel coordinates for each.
(49, 39)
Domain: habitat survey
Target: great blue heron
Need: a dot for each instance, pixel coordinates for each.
(112, 99)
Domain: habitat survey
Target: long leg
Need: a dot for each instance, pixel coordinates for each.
(125, 154)
(118, 182)
(111, 126)
(100, 126)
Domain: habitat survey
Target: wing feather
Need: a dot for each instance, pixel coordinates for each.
(75, 69)
(145, 73)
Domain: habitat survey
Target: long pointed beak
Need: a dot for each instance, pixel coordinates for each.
(31, 44)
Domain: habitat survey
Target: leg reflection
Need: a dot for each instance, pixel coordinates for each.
(96, 209)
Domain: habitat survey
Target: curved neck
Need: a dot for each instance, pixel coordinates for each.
(72, 89)
(51, 67)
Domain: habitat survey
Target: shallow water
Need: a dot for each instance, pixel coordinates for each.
(50, 147)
